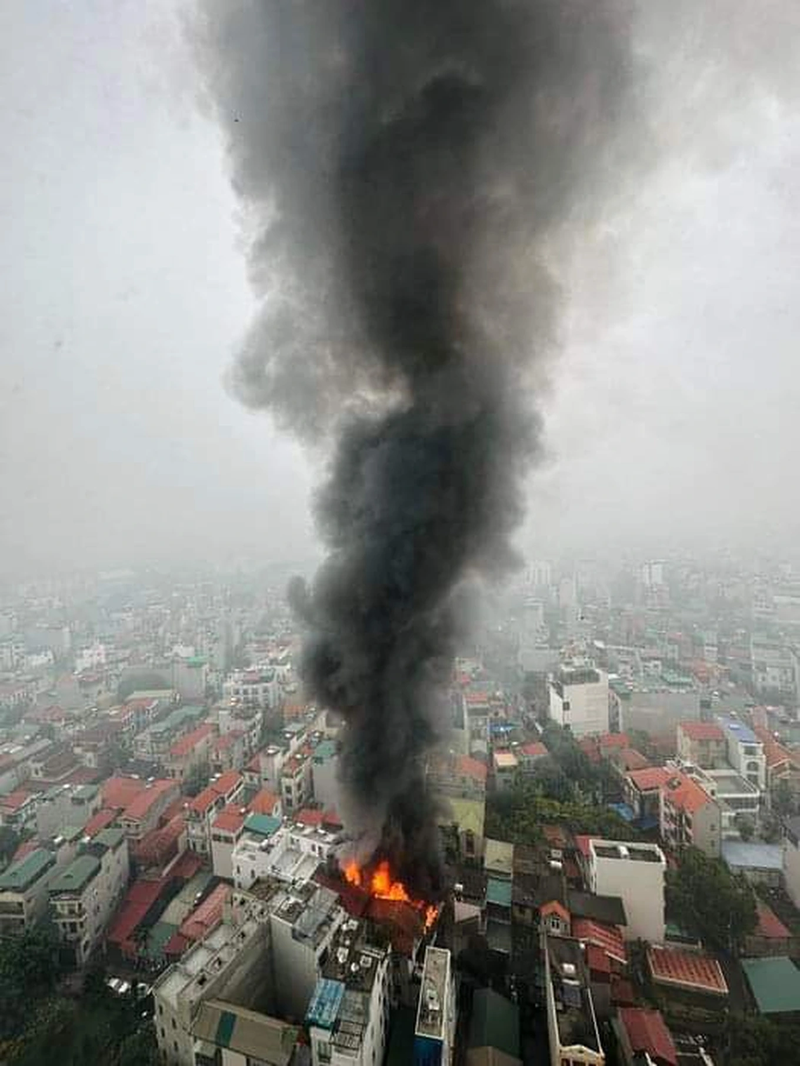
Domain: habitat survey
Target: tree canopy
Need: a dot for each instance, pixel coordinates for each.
(702, 895)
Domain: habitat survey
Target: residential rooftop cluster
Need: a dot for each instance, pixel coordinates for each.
(171, 803)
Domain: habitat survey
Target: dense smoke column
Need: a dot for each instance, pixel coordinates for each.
(403, 164)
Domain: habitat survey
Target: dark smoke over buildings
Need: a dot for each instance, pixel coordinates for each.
(403, 167)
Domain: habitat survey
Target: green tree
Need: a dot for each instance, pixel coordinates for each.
(704, 896)
(746, 826)
(141, 680)
(139, 1048)
(196, 779)
(9, 842)
(760, 1042)
(28, 971)
(783, 802)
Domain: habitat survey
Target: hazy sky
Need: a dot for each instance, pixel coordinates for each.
(674, 412)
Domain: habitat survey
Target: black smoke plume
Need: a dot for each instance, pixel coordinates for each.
(405, 166)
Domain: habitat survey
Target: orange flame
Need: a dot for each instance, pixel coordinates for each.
(381, 885)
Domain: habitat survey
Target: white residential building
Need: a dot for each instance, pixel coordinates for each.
(436, 1010)
(571, 1020)
(291, 853)
(84, 896)
(324, 768)
(635, 873)
(23, 891)
(745, 751)
(257, 686)
(791, 858)
(579, 699)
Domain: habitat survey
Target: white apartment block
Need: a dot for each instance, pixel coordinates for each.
(635, 873)
(579, 699)
(791, 858)
(256, 687)
(84, 896)
(436, 1009)
(290, 854)
(23, 891)
(745, 752)
(571, 1021)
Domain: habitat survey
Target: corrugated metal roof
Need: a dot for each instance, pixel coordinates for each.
(752, 854)
(323, 1010)
(26, 870)
(775, 984)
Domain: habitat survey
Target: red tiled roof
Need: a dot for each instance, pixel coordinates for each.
(204, 800)
(701, 730)
(158, 846)
(331, 819)
(186, 866)
(769, 924)
(120, 791)
(140, 898)
(102, 820)
(607, 937)
(648, 1032)
(650, 778)
(582, 843)
(191, 740)
(14, 800)
(469, 767)
(222, 786)
(230, 819)
(176, 807)
(631, 759)
(151, 794)
(622, 992)
(226, 782)
(597, 960)
(263, 802)
(614, 740)
(207, 915)
(554, 907)
(698, 972)
(774, 752)
(175, 946)
(309, 817)
(685, 793)
(534, 749)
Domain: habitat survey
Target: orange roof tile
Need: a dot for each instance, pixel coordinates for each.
(607, 937)
(534, 749)
(699, 972)
(469, 767)
(206, 915)
(701, 730)
(226, 782)
(769, 924)
(263, 802)
(685, 794)
(151, 794)
(649, 778)
(102, 820)
(120, 791)
(230, 819)
(647, 1032)
(191, 740)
